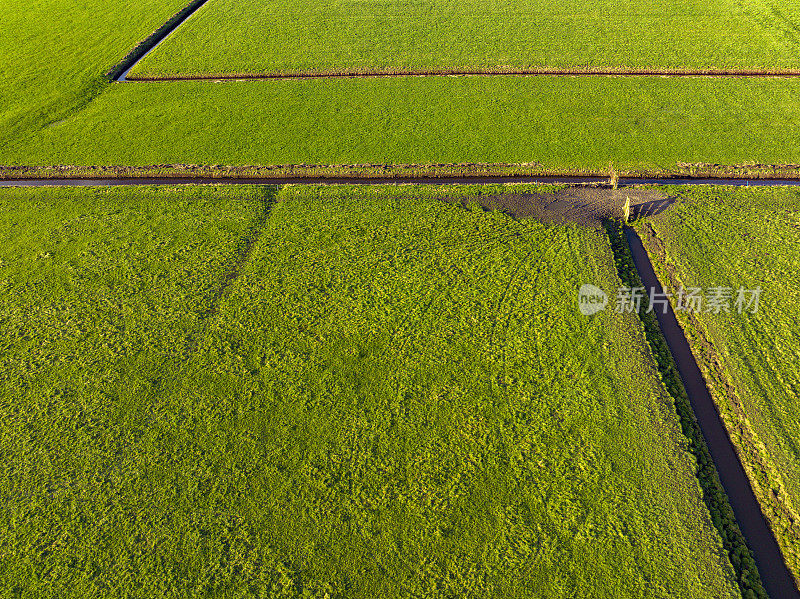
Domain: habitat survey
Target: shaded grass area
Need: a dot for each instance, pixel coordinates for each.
(290, 36)
(56, 55)
(394, 396)
(746, 237)
(154, 39)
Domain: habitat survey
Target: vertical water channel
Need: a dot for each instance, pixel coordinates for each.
(775, 576)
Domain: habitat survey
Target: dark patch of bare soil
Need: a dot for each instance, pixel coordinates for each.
(585, 205)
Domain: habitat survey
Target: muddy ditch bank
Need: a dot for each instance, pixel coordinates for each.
(590, 205)
(540, 72)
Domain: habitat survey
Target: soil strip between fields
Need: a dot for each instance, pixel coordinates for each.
(542, 72)
(775, 575)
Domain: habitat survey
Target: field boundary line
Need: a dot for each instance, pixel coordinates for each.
(780, 511)
(719, 174)
(456, 72)
(120, 71)
(477, 180)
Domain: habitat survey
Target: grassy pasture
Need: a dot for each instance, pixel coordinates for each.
(55, 55)
(291, 36)
(56, 107)
(561, 123)
(747, 237)
(367, 393)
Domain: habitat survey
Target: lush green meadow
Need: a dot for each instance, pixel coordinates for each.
(746, 237)
(329, 392)
(290, 36)
(57, 107)
(561, 123)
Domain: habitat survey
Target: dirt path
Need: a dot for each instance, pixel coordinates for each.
(775, 575)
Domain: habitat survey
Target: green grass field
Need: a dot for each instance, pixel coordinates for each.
(290, 36)
(57, 108)
(747, 237)
(561, 123)
(56, 54)
(366, 391)
(329, 392)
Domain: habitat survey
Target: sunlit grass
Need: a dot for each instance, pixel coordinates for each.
(291, 36)
(392, 396)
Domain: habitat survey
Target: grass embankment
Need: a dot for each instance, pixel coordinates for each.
(291, 36)
(746, 237)
(371, 393)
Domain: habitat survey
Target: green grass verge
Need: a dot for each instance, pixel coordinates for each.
(746, 237)
(291, 36)
(370, 393)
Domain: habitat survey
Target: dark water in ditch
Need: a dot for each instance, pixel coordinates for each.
(775, 576)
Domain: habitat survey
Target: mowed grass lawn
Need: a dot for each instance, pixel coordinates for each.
(747, 237)
(292, 36)
(329, 392)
